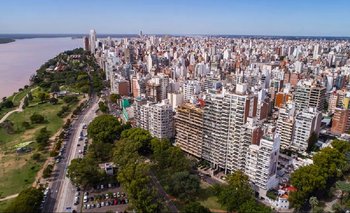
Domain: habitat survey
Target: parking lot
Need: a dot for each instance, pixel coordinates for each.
(110, 198)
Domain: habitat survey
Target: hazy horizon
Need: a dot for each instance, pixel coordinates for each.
(250, 17)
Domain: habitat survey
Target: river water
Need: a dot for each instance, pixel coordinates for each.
(20, 59)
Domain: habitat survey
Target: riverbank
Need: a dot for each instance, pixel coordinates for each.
(6, 40)
(20, 59)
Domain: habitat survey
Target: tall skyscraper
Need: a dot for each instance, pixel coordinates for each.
(92, 41)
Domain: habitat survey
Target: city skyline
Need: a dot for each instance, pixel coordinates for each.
(270, 18)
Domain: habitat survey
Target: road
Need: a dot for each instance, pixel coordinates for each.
(62, 191)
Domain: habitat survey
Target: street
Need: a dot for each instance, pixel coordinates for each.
(61, 196)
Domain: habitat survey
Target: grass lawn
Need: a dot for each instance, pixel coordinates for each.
(16, 99)
(207, 198)
(49, 111)
(4, 204)
(18, 171)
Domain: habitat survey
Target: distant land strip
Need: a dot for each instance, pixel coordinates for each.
(6, 40)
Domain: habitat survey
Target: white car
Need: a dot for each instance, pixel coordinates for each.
(85, 198)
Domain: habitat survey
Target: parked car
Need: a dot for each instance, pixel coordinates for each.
(76, 200)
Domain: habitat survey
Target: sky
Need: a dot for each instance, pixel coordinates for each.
(237, 17)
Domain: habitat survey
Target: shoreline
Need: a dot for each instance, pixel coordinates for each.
(18, 62)
(6, 40)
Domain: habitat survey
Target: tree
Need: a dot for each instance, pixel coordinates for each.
(331, 162)
(30, 96)
(26, 124)
(84, 172)
(29, 200)
(55, 87)
(100, 152)
(70, 99)
(341, 146)
(53, 101)
(103, 107)
(134, 177)
(114, 98)
(43, 96)
(311, 142)
(252, 206)
(195, 207)
(7, 104)
(25, 102)
(184, 185)
(313, 201)
(344, 187)
(37, 118)
(308, 180)
(105, 128)
(236, 193)
(36, 156)
(8, 126)
(48, 171)
(43, 137)
(139, 135)
(85, 89)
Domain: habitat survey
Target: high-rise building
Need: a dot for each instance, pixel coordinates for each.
(285, 124)
(189, 129)
(341, 117)
(316, 51)
(261, 163)
(161, 120)
(191, 88)
(86, 43)
(92, 41)
(309, 94)
(157, 88)
(225, 143)
(306, 122)
(341, 121)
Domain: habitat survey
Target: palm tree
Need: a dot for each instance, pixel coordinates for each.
(313, 202)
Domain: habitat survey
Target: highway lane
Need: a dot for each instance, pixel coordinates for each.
(60, 188)
(67, 192)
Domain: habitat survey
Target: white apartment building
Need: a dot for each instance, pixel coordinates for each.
(92, 41)
(285, 124)
(161, 120)
(306, 122)
(261, 163)
(191, 88)
(224, 141)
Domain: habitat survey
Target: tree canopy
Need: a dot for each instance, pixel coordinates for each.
(105, 128)
(236, 193)
(84, 172)
(195, 207)
(316, 179)
(29, 200)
